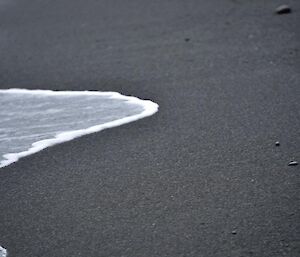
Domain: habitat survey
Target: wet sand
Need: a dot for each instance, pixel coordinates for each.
(203, 176)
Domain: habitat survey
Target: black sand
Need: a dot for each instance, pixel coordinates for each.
(203, 177)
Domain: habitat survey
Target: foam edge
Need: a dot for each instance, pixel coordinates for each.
(149, 107)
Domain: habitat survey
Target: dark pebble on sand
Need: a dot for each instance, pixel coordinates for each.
(283, 9)
(187, 39)
(277, 143)
(293, 163)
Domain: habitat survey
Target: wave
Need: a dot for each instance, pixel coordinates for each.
(33, 120)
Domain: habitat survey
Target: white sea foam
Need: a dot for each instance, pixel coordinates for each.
(3, 252)
(32, 120)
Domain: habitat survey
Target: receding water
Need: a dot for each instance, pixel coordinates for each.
(32, 120)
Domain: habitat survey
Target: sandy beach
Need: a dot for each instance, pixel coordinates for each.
(202, 177)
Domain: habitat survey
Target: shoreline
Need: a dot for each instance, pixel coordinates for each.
(203, 176)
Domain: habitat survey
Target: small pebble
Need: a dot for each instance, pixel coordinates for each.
(283, 9)
(187, 39)
(293, 163)
(277, 143)
(233, 232)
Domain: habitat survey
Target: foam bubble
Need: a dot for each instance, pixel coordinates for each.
(3, 252)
